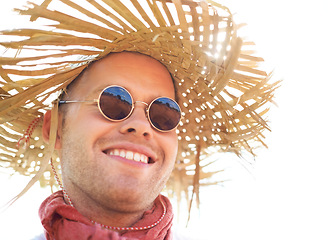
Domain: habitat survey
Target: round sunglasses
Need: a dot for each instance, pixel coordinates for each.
(116, 104)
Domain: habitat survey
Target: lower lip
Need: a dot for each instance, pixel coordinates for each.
(127, 161)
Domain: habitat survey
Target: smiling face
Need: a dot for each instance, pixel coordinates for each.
(117, 165)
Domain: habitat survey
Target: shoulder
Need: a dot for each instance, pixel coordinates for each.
(39, 237)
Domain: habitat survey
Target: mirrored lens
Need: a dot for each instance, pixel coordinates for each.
(115, 103)
(164, 113)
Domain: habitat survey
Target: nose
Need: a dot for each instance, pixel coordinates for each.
(137, 123)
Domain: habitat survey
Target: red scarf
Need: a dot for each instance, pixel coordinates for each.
(64, 222)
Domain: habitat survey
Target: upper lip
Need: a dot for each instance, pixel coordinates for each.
(152, 156)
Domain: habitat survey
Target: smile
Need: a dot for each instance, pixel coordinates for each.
(130, 155)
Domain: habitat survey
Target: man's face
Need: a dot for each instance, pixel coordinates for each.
(87, 138)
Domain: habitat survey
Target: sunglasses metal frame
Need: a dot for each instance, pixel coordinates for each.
(132, 107)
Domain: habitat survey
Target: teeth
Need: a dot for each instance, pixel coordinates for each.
(122, 153)
(138, 157)
(116, 152)
(129, 155)
(144, 158)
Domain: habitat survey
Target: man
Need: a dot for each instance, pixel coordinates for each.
(111, 189)
(113, 134)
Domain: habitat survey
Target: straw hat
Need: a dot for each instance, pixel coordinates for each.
(222, 92)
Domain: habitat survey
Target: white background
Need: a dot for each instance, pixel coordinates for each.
(286, 197)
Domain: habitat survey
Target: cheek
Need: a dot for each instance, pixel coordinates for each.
(86, 122)
(79, 134)
(170, 147)
(80, 152)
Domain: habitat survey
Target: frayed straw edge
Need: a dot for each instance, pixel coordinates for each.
(44, 161)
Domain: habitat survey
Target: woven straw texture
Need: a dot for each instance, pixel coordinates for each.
(223, 93)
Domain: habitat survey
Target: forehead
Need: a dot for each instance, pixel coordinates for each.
(138, 73)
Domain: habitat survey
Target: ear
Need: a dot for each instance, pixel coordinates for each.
(46, 129)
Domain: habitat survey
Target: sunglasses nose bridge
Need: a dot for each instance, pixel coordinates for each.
(144, 103)
(141, 102)
(138, 120)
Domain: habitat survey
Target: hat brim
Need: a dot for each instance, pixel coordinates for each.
(223, 93)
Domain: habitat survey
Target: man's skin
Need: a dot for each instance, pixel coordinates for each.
(113, 190)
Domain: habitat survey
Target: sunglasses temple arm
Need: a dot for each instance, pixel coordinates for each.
(76, 101)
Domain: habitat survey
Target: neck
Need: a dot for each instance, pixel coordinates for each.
(103, 214)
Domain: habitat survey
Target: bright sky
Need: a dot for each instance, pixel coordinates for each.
(286, 198)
